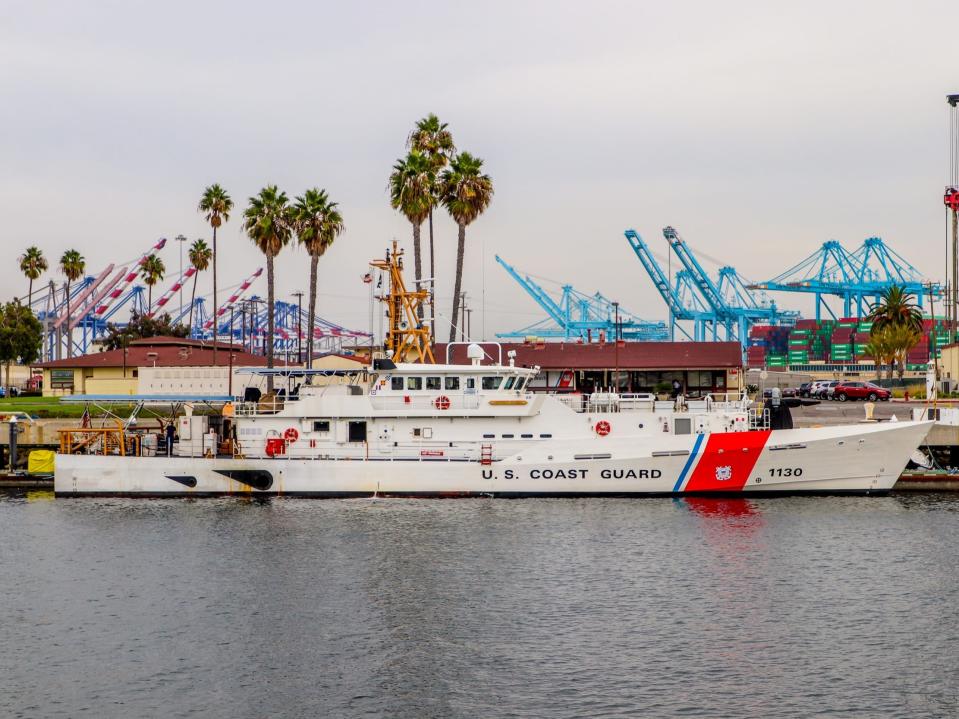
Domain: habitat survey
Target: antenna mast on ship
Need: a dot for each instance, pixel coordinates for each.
(408, 336)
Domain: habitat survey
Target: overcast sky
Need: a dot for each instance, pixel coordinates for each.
(757, 130)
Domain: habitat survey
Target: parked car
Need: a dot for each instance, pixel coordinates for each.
(861, 390)
(804, 388)
(829, 388)
(789, 392)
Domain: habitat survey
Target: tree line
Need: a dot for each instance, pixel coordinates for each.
(432, 174)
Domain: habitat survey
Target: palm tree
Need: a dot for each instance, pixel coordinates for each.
(411, 192)
(32, 265)
(878, 348)
(216, 206)
(317, 223)
(902, 338)
(433, 139)
(268, 222)
(896, 307)
(72, 266)
(152, 270)
(466, 193)
(200, 255)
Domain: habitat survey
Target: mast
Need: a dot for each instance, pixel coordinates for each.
(408, 336)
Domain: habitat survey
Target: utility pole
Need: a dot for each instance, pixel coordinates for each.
(181, 239)
(616, 345)
(299, 326)
(462, 318)
(951, 201)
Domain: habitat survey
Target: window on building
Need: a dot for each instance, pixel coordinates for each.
(434, 383)
(452, 383)
(396, 383)
(414, 383)
(492, 382)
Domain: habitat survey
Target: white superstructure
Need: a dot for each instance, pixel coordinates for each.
(451, 430)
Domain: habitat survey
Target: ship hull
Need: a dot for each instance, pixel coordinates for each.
(857, 459)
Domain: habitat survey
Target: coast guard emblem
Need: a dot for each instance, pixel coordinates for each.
(724, 473)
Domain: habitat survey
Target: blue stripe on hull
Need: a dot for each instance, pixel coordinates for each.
(689, 463)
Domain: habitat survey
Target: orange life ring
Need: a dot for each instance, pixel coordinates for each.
(603, 428)
(291, 435)
(442, 402)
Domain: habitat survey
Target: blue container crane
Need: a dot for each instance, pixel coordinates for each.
(858, 278)
(577, 316)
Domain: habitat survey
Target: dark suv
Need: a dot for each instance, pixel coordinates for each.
(861, 390)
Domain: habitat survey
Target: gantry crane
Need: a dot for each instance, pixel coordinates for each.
(858, 278)
(577, 316)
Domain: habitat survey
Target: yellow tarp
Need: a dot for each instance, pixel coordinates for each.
(40, 461)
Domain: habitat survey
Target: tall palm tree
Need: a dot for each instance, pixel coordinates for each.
(72, 266)
(466, 193)
(200, 255)
(32, 265)
(268, 222)
(411, 192)
(216, 206)
(152, 270)
(433, 139)
(317, 223)
(896, 307)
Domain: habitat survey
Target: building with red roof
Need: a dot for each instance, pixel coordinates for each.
(575, 366)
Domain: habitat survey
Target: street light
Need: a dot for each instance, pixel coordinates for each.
(299, 326)
(181, 239)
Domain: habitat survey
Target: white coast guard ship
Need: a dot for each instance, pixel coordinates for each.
(438, 430)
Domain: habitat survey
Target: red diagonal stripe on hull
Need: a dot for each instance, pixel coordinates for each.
(732, 454)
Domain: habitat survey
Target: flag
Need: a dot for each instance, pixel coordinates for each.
(367, 278)
(85, 417)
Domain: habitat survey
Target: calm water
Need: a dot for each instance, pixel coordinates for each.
(480, 608)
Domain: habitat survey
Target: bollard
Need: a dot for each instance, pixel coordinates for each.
(13, 444)
(869, 407)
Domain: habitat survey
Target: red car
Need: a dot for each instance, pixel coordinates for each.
(860, 390)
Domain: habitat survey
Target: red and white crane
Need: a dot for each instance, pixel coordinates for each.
(127, 280)
(176, 287)
(232, 300)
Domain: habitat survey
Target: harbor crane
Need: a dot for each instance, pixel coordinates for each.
(577, 316)
(857, 278)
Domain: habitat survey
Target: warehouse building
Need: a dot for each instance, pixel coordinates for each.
(699, 367)
(158, 365)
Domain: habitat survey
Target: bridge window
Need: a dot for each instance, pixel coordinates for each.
(321, 425)
(414, 383)
(434, 383)
(509, 383)
(492, 382)
(519, 383)
(452, 383)
(396, 383)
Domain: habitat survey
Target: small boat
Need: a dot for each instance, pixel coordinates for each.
(441, 430)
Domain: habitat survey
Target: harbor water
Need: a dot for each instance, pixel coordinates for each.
(779, 607)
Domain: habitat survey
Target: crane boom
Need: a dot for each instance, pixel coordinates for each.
(128, 280)
(78, 301)
(231, 301)
(704, 283)
(656, 274)
(168, 295)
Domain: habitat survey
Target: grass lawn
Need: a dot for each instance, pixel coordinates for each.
(52, 407)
